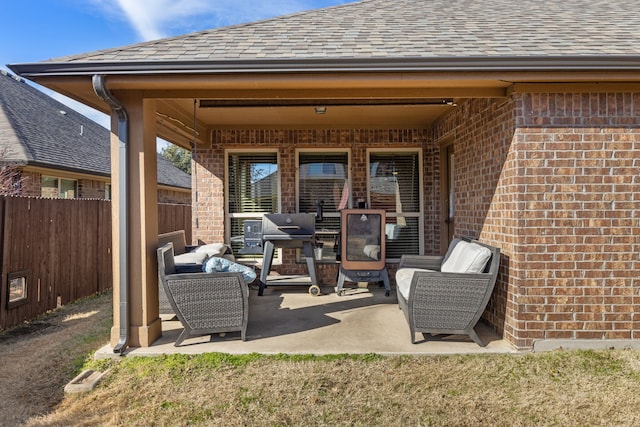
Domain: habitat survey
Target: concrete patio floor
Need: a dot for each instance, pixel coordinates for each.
(289, 320)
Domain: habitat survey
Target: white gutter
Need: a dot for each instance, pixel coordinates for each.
(123, 231)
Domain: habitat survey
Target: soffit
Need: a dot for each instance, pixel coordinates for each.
(176, 94)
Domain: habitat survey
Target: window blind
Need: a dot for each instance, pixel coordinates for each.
(394, 185)
(322, 176)
(253, 183)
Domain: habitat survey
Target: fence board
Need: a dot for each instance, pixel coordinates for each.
(65, 246)
(174, 217)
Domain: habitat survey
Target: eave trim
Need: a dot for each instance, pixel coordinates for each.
(451, 64)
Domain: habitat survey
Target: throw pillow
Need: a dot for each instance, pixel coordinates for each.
(466, 258)
(219, 265)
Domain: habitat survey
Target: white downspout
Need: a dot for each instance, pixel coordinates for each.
(123, 136)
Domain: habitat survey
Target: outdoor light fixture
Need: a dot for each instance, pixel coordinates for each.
(320, 110)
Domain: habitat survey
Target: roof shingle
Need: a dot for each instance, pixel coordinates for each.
(410, 29)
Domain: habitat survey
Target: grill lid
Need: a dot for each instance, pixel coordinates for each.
(288, 226)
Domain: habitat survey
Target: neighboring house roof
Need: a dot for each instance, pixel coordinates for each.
(168, 174)
(409, 29)
(37, 130)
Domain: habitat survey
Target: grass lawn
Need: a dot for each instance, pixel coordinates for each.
(562, 388)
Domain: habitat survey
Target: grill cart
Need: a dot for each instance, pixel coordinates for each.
(289, 231)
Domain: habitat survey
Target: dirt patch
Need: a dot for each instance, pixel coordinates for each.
(22, 331)
(40, 357)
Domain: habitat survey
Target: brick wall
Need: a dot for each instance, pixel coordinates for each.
(552, 179)
(579, 161)
(209, 173)
(91, 189)
(30, 184)
(174, 197)
(486, 205)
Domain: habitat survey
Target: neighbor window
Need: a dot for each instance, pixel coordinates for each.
(17, 289)
(395, 185)
(59, 188)
(254, 190)
(323, 182)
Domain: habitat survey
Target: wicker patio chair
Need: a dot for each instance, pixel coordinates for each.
(205, 303)
(439, 302)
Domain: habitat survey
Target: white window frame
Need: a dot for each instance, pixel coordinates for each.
(420, 213)
(229, 215)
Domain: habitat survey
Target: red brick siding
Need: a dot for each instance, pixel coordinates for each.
(556, 179)
(174, 197)
(91, 189)
(30, 184)
(486, 200)
(210, 176)
(579, 163)
(207, 187)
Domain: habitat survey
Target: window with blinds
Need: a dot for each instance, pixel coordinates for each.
(395, 185)
(323, 177)
(253, 190)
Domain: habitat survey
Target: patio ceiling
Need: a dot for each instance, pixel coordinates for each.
(288, 101)
(335, 116)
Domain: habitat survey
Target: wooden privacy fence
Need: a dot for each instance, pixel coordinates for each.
(174, 217)
(55, 251)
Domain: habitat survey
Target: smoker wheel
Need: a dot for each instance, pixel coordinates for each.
(314, 290)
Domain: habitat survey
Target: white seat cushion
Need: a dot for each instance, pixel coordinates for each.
(212, 249)
(403, 280)
(466, 257)
(190, 258)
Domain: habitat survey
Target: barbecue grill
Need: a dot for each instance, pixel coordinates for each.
(288, 231)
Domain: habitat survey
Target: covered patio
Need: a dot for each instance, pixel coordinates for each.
(290, 321)
(529, 144)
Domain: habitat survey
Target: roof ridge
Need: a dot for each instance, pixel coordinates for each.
(163, 40)
(13, 76)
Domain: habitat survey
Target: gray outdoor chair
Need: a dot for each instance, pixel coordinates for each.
(450, 301)
(205, 303)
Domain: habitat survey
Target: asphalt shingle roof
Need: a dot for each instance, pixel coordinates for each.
(36, 129)
(410, 29)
